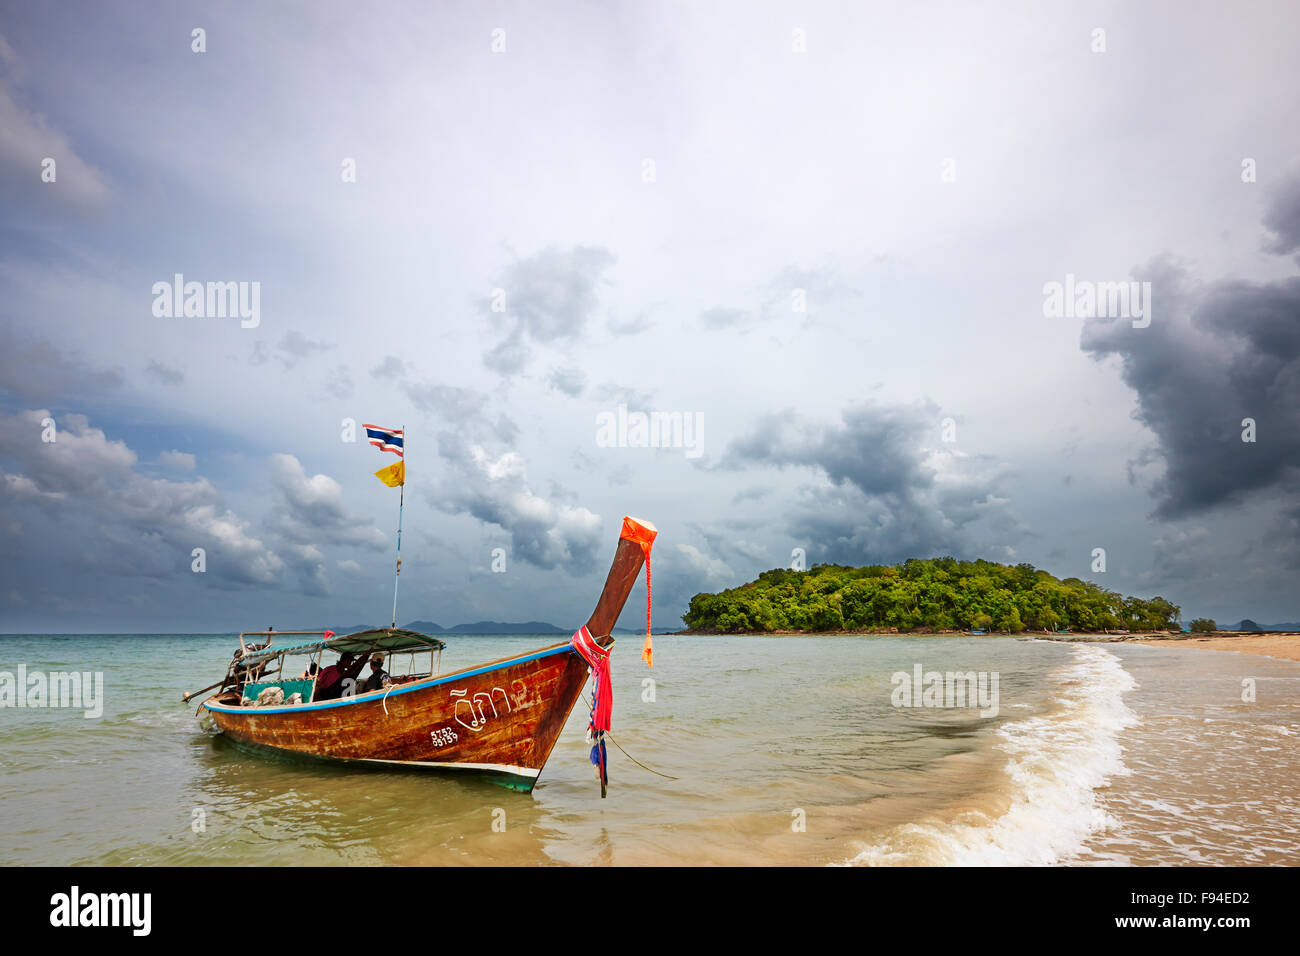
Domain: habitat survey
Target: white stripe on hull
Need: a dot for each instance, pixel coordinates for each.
(457, 765)
(526, 772)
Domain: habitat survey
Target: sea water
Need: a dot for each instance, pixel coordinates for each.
(783, 750)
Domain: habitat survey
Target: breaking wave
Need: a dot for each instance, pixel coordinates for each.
(1055, 764)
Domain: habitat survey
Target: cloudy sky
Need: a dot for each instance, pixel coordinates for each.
(822, 232)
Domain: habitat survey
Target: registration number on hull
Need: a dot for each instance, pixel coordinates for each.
(443, 736)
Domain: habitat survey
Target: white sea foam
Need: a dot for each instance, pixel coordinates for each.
(1055, 764)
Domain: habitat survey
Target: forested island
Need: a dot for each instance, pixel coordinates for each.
(936, 594)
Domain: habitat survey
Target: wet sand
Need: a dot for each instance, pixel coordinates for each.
(1210, 767)
(1284, 646)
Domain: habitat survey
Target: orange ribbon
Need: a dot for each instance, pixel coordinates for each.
(634, 530)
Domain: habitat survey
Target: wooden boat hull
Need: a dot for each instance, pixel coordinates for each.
(500, 719)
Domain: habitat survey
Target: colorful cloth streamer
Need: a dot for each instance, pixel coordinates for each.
(598, 758)
(597, 658)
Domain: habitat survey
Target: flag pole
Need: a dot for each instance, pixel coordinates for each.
(401, 504)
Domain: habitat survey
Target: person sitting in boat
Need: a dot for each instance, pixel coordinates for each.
(378, 678)
(310, 672)
(330, 682)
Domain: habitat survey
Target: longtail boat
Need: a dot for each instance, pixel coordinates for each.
(501, 718)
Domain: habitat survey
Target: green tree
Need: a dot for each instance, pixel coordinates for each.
(937, 593)
(1011, 621)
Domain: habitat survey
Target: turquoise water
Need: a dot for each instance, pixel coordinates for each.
(786, 750)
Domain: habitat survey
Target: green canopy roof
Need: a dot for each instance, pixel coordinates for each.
(388, 639)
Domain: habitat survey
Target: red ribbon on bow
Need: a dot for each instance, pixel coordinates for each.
(597, 658)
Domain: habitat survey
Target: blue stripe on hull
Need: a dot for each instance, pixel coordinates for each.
(395, 691)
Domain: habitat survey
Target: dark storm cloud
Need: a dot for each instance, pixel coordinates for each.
(84, 503)
(891, 493)
(1283, 538)
(875, 448)
(549, 298)
(1213, 356)
(83, 495)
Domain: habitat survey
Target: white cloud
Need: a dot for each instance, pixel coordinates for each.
(310, 510)
(542, 532)
(711, 569)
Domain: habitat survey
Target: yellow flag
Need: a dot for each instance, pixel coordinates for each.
(393, 475)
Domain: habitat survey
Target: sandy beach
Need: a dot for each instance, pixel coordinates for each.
(1283, 645)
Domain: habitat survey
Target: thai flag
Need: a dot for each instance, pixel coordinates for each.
(385, 439)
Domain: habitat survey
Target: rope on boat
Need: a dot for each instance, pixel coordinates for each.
(628, 755)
